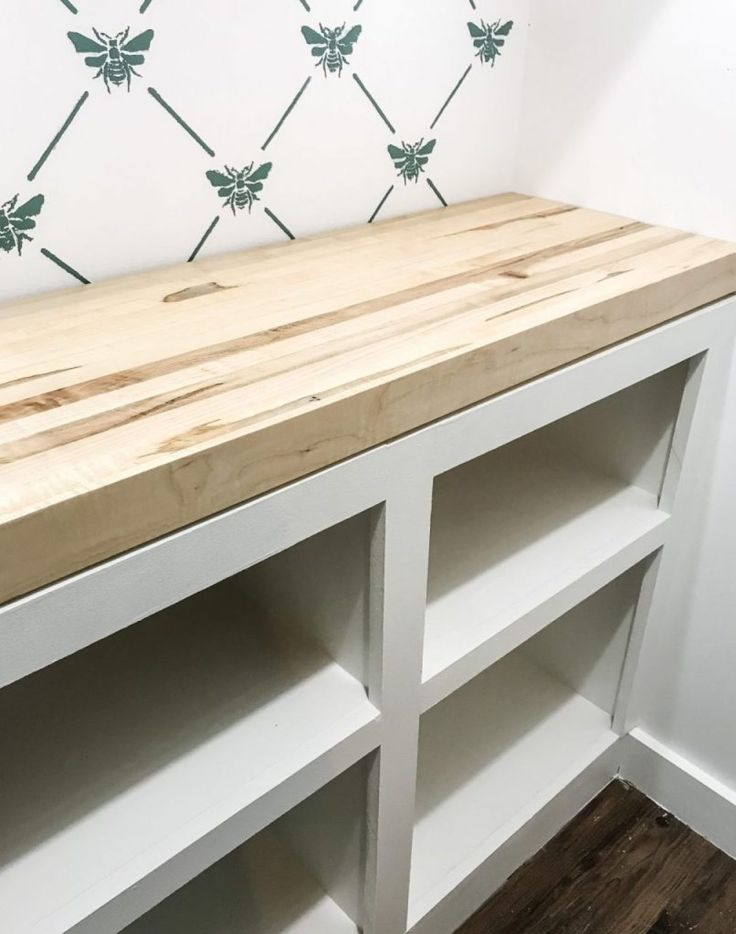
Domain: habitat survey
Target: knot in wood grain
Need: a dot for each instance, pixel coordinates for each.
(196, 291)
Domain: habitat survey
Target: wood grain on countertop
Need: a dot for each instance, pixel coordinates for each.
(135, 406)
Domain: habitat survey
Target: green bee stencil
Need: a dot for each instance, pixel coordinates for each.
(332, 46)
(239, 187)
(114, 57)
(411, 158)
(489, 39)
(15, 222)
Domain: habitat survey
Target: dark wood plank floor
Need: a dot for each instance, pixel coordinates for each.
(623, 866)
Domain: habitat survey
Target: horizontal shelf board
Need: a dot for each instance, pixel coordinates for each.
(262, 888)
(489, 754)
(147, 741)
(512, 530)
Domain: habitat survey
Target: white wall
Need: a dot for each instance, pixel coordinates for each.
(630, 106)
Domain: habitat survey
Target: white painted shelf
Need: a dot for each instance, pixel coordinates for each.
(262, 888)
(512, 531)
(217, 768)
(490, 756)
(119, 757)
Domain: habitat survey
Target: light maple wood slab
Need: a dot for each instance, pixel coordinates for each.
(135, 406)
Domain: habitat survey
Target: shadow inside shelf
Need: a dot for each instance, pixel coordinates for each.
(242, 888)
(93, 726)
(490, 510)
(451, 758)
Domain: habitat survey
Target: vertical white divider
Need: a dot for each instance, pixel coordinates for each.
(634, 645)
(669, 576)
(400, 556)
(691, 398)
(682, 430)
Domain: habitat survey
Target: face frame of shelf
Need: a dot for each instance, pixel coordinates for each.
(397, 478)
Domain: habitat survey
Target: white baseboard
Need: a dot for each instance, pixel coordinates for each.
(681, 787)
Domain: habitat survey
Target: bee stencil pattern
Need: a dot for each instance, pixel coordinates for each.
(239, 188)
(411, 158)
(15, 222)
(331, 46)
(489, 39)
(115, 57)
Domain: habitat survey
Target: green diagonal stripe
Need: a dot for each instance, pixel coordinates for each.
(381, 203)
(204, 238)
(65, 266)
(70, 6)
(182, 123)
(452, 94)
(436, 191)
(306, 5)
(64, 127)
(357, 5)
(279, 224)
(286, 113)
(374, 102)
(145, 5)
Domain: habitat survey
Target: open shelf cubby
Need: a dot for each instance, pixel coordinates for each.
(515, 527)
(153, 736)
(494, 752)
(301, 875)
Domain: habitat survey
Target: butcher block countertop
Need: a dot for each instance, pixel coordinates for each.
(136, 406)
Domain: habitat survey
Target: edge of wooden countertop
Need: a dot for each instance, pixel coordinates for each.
(107, 519)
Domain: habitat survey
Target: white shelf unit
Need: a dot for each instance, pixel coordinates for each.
(525, 531)
(496, 751)
(361, 701)
(119, 756)
(301, 875)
